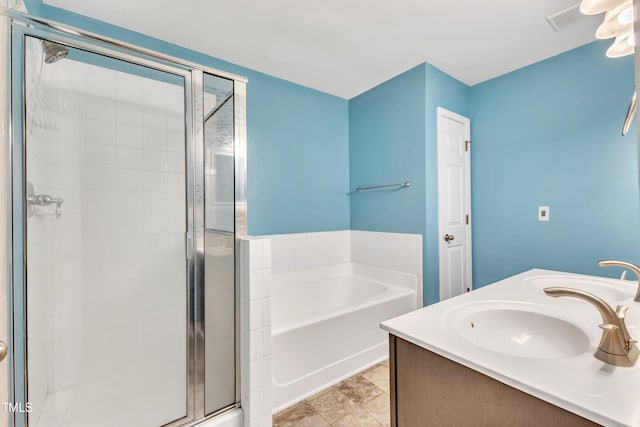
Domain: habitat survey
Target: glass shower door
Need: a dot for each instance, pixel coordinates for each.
(106, 217)
(219, 261)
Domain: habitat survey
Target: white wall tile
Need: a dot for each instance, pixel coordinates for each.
(293, 252)
(155, 181)
(256, 254)
(267, 403)
(128, 113)
(175, 120)
(255, 285)
(256, 374)
(100, 109)
(155, 118)
(266, 340)
(176, 141)
(71, 128)
(99, 155)
(128, 158)
(154, 139)
(256, 344)
(67, 152)
(129, 136)
(100, 82)
(154, 93)
(128, 180)
(154, 160)
(175, 162)
(256, 315)
(266, 314)
(256, 408)
(128, 88)
(267, 279)
(98, 178)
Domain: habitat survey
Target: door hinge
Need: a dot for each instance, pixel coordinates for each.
(466, 145)
(467, 219)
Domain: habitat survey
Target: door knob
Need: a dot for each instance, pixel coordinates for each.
(448, 237)
(3, 350)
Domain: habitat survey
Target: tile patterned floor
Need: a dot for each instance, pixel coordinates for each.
(359, 401)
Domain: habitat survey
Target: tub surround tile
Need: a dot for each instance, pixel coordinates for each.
(255, 327)
(256, 285)
(269, 262)
(301, 251)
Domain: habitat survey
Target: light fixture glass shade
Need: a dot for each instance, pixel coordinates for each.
(594, 7)
(611, 26)
(623, 46)
(626, 16)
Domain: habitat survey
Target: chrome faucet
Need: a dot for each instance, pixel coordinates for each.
(46, 200)
(42, 200)
(616, 346)
(632, 267)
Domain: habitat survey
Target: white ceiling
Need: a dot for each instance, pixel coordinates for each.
(345, 47)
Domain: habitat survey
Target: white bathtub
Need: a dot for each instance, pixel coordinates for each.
(325, 325)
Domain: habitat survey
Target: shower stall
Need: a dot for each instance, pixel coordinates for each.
(126, 202)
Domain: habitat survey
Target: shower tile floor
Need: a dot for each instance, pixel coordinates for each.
(361, 400)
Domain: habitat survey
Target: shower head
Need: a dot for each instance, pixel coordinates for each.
(53, 52)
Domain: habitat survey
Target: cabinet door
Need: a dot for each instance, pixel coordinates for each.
(433, 390)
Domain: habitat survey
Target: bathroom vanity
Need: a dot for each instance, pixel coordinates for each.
(507, 354)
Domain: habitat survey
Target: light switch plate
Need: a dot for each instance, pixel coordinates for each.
(543, 213)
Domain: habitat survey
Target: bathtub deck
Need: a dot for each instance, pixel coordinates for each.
(362, 400)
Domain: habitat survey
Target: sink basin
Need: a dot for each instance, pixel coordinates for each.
(608, 289)
(518, 329)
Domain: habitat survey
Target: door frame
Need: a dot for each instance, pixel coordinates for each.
(443, 113)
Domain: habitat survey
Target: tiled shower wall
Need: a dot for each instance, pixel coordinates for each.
(112, 145)
(255, 326)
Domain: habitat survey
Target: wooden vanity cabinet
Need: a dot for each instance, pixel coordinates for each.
(430, 390)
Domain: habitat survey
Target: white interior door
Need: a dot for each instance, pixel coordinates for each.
(454, 203)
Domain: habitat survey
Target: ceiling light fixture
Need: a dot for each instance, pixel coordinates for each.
(618, 23)
(626, 16)
(623, 46)
(611, 26)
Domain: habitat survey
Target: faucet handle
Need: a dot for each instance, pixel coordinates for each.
(621, 311)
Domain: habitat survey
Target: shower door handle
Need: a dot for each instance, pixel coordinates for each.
(3, 350)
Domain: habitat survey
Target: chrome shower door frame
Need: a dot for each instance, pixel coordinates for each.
(19, 26)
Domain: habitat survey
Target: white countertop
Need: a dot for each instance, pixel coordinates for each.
(605, 394)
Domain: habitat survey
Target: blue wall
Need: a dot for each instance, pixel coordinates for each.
(549, 134)
(386, 145)
(393, 138)
(297, 139)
